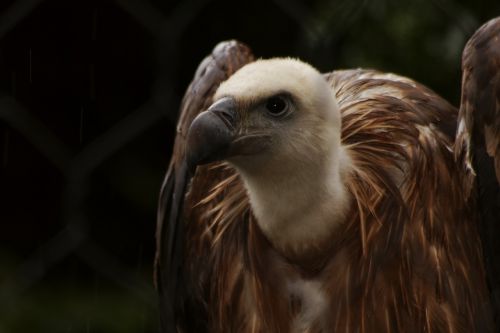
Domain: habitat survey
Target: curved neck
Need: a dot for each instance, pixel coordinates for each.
(298, 207)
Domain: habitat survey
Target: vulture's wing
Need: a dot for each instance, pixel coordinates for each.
(178, 235)
(478, 141)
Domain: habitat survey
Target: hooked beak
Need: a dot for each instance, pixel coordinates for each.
(211, 133)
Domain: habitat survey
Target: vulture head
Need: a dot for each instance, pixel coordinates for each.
(277, 123)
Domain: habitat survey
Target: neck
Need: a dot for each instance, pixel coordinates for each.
(299, 207)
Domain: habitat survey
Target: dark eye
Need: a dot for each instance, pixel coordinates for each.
(276, 106)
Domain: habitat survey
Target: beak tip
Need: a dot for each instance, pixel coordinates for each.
(208, 139)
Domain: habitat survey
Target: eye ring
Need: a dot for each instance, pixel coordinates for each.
(277, 106)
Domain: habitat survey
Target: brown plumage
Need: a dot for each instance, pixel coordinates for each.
(406, 258)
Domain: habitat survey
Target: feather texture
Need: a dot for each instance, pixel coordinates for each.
(407, 259)
(478, 143)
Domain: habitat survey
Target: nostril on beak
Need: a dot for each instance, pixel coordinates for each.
(225, 110)
(228, 117)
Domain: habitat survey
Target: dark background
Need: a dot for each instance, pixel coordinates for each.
(89, 93)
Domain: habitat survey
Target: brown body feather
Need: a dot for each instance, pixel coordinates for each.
(407, 259)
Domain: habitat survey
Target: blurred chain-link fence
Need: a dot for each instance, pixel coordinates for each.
(89, 92)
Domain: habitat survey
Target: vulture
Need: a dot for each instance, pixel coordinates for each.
(351, 201)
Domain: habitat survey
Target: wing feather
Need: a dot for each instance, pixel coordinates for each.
(478, 141)
(175, 237)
